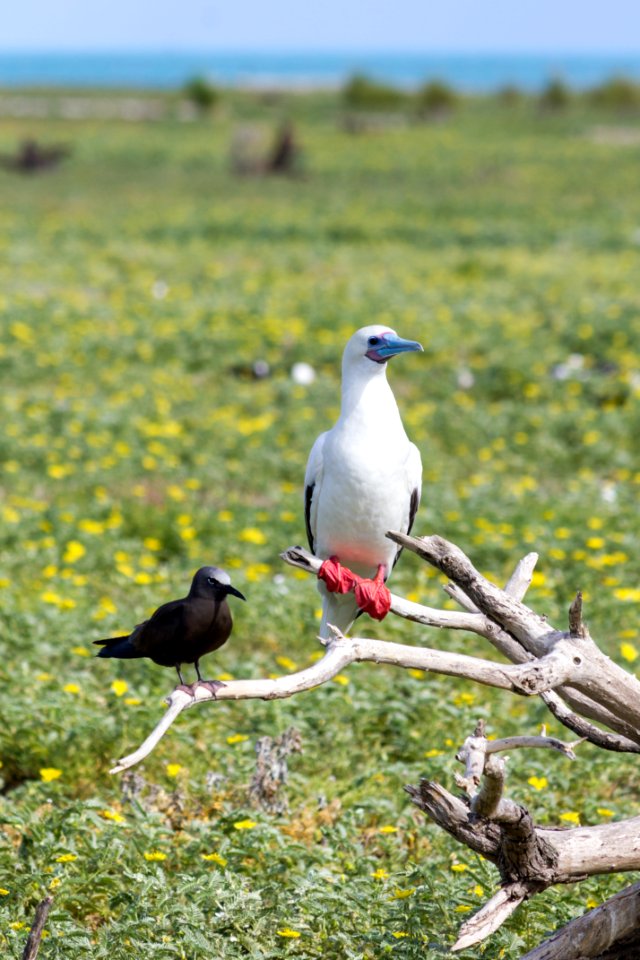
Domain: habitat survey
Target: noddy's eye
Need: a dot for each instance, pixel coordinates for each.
(211, 580)
(373, 341)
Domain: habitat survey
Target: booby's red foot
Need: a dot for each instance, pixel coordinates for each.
(338, 579)
(373, 596)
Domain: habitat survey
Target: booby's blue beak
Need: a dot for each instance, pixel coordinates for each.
(387, 345)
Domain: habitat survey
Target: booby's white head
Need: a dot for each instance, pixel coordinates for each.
(370, 347)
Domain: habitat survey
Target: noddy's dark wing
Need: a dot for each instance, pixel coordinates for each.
(163, 631)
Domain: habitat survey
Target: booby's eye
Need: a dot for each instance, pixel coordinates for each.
(373, 341)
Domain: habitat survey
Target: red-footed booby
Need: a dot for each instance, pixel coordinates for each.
(363, 476)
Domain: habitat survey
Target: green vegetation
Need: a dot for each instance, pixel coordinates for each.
(201, 94)
(138, 284)
(435, 99)
(362, 93)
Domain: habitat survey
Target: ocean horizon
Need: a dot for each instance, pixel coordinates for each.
(164, 70)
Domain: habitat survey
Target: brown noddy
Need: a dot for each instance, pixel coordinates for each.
(182, 631)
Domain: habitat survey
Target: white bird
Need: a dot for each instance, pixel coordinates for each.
(364, 476)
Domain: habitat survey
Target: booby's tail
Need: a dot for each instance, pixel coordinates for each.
(338, 609)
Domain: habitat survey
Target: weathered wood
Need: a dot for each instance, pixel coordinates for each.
(580, 686)
(608, 932)
(35, 934)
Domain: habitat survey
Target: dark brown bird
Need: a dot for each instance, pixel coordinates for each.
(183, 630)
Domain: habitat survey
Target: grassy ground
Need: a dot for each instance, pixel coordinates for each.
(137, 284)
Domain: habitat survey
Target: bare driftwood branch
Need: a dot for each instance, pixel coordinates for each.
(599, 688)
(544, 661)
(35, 934)
(525, 679)
(579, 684)
(491, 916)
(609, 932)
(271, 774)
(528, 858)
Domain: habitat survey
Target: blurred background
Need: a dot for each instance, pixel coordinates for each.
(199, 203)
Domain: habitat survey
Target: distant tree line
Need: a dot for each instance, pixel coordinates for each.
(436, 98)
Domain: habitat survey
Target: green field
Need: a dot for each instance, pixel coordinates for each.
(138, 283)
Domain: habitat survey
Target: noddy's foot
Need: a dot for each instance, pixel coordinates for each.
(211, 685)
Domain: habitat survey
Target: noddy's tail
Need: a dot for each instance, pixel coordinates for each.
(120, 647)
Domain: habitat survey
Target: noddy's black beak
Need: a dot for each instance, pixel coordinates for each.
(236, 593)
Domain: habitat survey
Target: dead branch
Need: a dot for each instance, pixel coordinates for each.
(577, 682)
(528, 858)
(271, 773)
(526, 679)
(609, 932)
(599, 688)
(34, 939)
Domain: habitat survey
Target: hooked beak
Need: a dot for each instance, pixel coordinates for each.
(391, 345)
(235, 593)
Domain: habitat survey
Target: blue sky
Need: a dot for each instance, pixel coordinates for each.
(570, 26)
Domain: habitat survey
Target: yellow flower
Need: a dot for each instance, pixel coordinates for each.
(538, 783)
(433, 752)
(286, 663)
(464, 699)
(478, 891)
(399, 934)
(152, 543)
(388, 829)
(91, 526)
(132, 702)
(341, 679)
(3, 892)
(74, 551)
(462, 908)
(245, 824)
(237, 738)
(119, 687)
(173, 769)
(154, 855)
(253, 535)
(380, 874)
(605, 812)
(629, 652)
(571, 817)
(591, 903)
(629, 594)
(225, 516)
(459, 867)
(80, 651)
(112, 815)
(215, 858)
(66, 858)
(286, 932)
(400, 894)
(71, 688)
